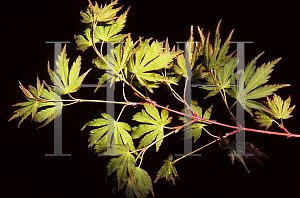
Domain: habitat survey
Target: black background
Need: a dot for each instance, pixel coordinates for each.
(25, 171)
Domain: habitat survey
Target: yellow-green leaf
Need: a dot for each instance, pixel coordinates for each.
(142, 181)
(98, 137)
(147, 60)
(154, 127)
(37, 98)
(70, 81)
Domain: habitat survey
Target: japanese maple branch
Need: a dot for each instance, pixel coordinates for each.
(196, 118)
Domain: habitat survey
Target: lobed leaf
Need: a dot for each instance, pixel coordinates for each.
(70, 81)
(264, 119)
(37, 98)
(148, 59)
(142, 181)
(279, 108)
(84, 43)
(123, 165)
(132, 191)
(154, 127)
(98, 137)
(167, 171)
(108, 31)
(214, 57)
(102, 14)
(254, 79)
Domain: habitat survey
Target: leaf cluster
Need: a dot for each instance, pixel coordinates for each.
(103, 25)
(136, 181)
(49, 100)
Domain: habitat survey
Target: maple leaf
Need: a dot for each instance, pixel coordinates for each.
(275, 109)
(214, 57)
(108, 31)
(84, 43)
(142, 181)
(67, 81)
(264, 119)
(149, 58)
(103, 13)
(280, 109)
(123, 165)
(193, 52)
(37, 98)
(154, 127)
(98, 137)
(253, 80)
(167, 171)
(108, 25)
(132, 191)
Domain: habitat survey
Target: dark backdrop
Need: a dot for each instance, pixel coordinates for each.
(25, 171)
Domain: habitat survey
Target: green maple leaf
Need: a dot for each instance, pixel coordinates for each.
(142, 181)
(149, 58)
(98, 137)
(214, 57)
(132, 191)
(276, 109)
(254, 79)
(108, 31)
(107, 27)
(280, 109)
(123, 165)
(193, 49)
(101, 81)
(264, 119)
(167, 171)
(70, 80)
(197, 127)
(84, 43)
(37, 99)
(103, 13)
(154, 127)
(223, 77)
(197, 71)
